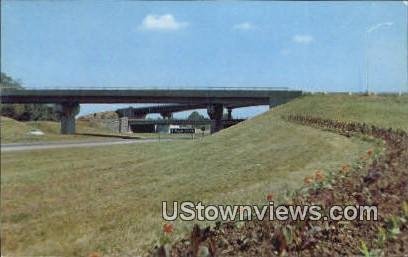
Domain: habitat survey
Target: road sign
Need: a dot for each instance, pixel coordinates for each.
(182, 131)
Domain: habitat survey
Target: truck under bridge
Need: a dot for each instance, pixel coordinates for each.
(216, 99)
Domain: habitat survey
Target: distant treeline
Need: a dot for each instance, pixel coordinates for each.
(25, 112)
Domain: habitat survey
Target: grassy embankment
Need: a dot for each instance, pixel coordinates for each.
(108, 199)
(13, 131)
(383, 111)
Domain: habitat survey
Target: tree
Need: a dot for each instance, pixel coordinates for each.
(24, 112)
(8, 82)
(196, 116)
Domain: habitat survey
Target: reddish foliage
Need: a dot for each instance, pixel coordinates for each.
(382, 182)
(168, 228)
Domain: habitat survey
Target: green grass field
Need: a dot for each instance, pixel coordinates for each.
(108, 199)
(13, 131)
(384, 111)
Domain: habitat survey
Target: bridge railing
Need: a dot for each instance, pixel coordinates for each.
(224, 88)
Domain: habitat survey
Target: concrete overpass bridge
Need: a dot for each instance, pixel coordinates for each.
(147, 125)
(167, 110)
(180, 122)
(215, 99)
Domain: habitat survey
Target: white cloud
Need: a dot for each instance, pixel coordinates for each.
(303, 39)
(379, 25)
(405, 2)
(244, 26)
(161, 22)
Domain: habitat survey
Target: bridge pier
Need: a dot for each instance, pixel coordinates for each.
(124, 125)
(166, 115)
(215, 112)
(229, 117)
(67, 112)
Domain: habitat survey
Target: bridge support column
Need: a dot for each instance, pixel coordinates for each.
(124, 125)
(229, 117)
(166, 115)
(215, 112)
(67, 113)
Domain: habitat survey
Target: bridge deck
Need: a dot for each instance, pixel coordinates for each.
(178, 122)
(186, 96)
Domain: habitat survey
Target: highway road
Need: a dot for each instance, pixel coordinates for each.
(14, 147)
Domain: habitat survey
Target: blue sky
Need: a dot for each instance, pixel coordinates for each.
(313, 46)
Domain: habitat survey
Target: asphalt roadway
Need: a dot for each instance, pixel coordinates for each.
(14, 147)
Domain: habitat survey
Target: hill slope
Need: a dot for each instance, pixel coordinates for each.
(383, 111)
(108, 199)
(13, 131)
